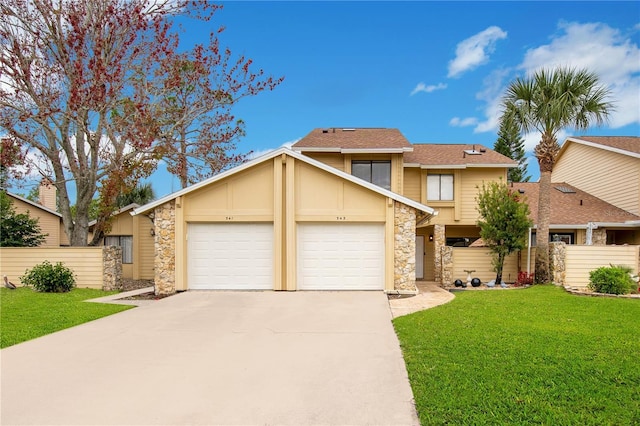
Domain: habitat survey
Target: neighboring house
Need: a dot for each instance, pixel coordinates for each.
(581, 218)
(285, 221)
(445, 177)
(607, 167)
(135, 235)
(49, 219)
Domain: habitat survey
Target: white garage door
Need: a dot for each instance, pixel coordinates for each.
(230, 256)
(343, 256)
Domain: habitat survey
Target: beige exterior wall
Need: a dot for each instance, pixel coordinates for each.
(479, 259)
(49, 224)
(333, 159)
(282, 191)
(613, 177)
(141, 229)
(460, 211)
(85, 262)
(580, 260)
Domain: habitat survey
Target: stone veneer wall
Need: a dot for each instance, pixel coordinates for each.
(439, 241)
(404, 247)
(599, 237)
(447, 266)
(112, 268)
(557, 256)
(165, 243)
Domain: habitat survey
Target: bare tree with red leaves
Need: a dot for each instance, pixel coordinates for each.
(86, 86)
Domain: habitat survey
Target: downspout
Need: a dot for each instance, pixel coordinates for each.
(529, 254)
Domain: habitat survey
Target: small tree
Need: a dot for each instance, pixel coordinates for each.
(504, 222)
(17, 230)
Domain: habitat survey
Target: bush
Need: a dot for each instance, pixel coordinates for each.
(614, 279)
(49, 278)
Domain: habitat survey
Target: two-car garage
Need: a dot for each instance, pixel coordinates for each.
(330, 256)
(284, 222)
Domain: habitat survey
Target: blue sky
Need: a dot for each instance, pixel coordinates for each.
(434, 70)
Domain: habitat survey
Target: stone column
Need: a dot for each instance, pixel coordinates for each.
(439, 241)
(165, 244)
(447, 266)
(557, 256)
(599, 237)
(112, 268)
(404, 247)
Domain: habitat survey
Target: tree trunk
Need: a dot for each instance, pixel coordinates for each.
(499, 268)
(542, 232)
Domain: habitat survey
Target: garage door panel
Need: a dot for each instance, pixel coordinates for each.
(230, 256)
(346, 256)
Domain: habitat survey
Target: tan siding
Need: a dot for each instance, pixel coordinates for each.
(479, 259)
(580, 260)
(146, 249)
(49, 223)
(85, 262)
(471, 181)
(615, 178)
(335, 160)
(412, 183)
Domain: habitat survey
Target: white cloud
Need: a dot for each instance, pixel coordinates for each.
(594, 46)
(463, 122)
(260, 153)
(475, 50)
(421, 87)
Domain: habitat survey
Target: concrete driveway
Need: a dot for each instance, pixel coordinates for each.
(211, 358)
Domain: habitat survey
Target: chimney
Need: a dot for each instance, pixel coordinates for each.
(47, 194)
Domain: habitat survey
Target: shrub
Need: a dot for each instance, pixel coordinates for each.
(49, 278)
(614, 279)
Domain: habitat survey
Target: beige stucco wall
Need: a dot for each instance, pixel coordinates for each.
(613, 177)
(282, 191)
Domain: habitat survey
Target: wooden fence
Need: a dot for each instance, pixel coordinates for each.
(86, 262)
(580, 260)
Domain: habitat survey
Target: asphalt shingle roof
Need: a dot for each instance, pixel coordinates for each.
(358, 138)
(625, 143)
(573, 208)
(454, 154)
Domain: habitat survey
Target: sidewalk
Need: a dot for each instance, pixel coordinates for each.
(430, 295)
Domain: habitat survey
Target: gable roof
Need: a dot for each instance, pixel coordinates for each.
(34, 204)
(444, 156)
(298, 156)
(117, 212)
(349, 140)
(573, 207)
(625, 145)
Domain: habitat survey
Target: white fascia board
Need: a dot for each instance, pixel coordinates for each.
(372, 150)
(443, 166)
(407, 165)
(298, 156)
(494, 166)
(314, 149)
(604, 147)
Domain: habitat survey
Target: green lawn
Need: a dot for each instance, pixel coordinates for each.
(533, 356)
(26, 314)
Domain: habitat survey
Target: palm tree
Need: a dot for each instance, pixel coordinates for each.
(547, 102)
(141, 194)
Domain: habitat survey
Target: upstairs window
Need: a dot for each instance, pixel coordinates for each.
(126, 242)
(376, 172)
(440, 187)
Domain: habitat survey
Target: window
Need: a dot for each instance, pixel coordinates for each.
(566, 237)
(376, 172)
(440, 187)
(126, 242)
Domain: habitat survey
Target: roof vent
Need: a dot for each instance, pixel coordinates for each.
(565, 189)
(325, 131)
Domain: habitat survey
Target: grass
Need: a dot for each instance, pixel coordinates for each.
(533, 356)
(26, 314)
